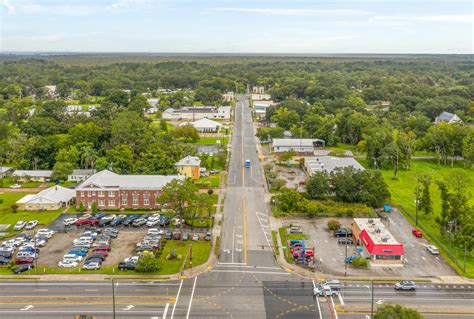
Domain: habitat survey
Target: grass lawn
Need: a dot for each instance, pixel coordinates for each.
(275, 242)
(200, 222)
(402, 193)
(284, 236)
(8, 181)
(7, 216)
(201, 250)
(212, 140)
(212, 181)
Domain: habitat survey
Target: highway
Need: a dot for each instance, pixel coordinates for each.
(246, 282)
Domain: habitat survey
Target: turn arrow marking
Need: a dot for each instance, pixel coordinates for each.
(129, 307)
(27, 307)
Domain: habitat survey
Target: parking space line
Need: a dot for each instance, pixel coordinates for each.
(334, 307)
(340, 299)
(166, 310)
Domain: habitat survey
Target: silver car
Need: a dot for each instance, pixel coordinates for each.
(405, 285)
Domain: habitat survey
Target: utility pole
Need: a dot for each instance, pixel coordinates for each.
(113, 298)
(372, 294)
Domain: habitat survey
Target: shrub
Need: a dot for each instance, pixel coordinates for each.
(94, 207)
(147, 263)
(14, 208)
(278, 183)
(81, 207)
(333, 224)
(272, 175)
(360, 263)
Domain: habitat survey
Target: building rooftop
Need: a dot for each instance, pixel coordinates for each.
(108, 179)
(189, 161)
(33, 173)
(83, 171)
(376, 230)
(5, 169)
(205, 123)
(445, 116)
(55, 194)
(295, 142)
(330, 163)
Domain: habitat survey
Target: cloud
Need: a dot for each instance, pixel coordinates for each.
(293, 11)
(8, 6)
(404, 20)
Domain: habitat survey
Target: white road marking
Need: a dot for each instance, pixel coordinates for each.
(91, 290)
(251, 272)
(246, 266)
(165, 311)
(340, 299)
(27, 308)
(238, 250)
(177, 298)
(191, 299)
(142, 289)
(333, 307)
(233, 242)
(41, 289)
(128, 307)
(422, 257)
(231, 264)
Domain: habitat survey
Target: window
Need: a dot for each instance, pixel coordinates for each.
(146, 199)
(101, 193)
(124, 200)
(111, 202)
(135, 199)
(93, 193)
(101, 202)
(111, 193)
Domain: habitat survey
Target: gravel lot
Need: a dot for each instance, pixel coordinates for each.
(123, 246)
(55, 248)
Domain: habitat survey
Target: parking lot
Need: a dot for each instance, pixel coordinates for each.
(329, 255)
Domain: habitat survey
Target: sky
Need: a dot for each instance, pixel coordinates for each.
(244, 26)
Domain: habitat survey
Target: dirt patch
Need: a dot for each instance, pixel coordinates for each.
(55, 248)
(123, 246)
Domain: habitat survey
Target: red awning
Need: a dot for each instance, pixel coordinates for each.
(380, 249)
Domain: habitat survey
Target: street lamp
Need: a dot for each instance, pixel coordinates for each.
(113, 298)
(371, 288)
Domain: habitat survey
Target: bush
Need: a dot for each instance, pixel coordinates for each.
(14, 208)
(94, 207)
(147, 263)
(360, 263)
(81, 207)
(396, 312)
(272, 175)
(278, 183)
(333, 224)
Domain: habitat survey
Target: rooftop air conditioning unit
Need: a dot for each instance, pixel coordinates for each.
(377, 230)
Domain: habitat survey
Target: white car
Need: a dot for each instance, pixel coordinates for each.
(31, 224)
(69, 221)
(155, 231)
(324, 290)
(432, 249)
(37, 242)
(27, 254)
(153, 222)
(19, 225)
(19, 241)
(15, 186)
(67, 264)
(10, 242)
(177, 221)
(45, 232)
(72, 258)
(91, 266)
(132, 259)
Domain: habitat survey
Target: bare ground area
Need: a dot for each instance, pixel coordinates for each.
(123, 246)
(55, 248)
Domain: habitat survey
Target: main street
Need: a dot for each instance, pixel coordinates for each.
(246, 282)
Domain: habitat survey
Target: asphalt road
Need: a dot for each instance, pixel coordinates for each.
(246, 283)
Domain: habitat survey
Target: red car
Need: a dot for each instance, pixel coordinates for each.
(86, 221)
(417, 233)
(102, 248)
(24, 260)
(308, 253)
(101, 251)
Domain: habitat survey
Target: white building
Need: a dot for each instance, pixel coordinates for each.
(50, 91)
(5, 171)
(79, 175)
(32, 175)
(447, 117)
(258, 89)
(298, 145)
(197, 113)
(257, 97)
(229, 96)
(153, 101)
(52, 198)
(313, 164)
(261, 106)
(205, 125)
(73, 108)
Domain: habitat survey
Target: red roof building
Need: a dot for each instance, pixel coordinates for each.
(377, 242)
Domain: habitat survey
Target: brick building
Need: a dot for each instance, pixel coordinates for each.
(112, 191)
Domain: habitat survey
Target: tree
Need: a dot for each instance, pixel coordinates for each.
(131, 129)
(333, 224)
(396, 312)
(186, 132)
(61, 170)
(138, 104)
(407, 143)
(278, 183)
(120, 158)
(286, 118)
(180, 195)
(285, 157)
(147, 263)
(118, 97)
(424, 202)
(288, 199)
(318, 186)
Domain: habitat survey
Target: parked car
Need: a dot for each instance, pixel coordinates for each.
(164, 220)
(117, 221)
(133, 259)
(19, 225)
(417, 233)
(333, 283)
(72, 257)
(23, 268)
(139, 222)
(177, 235)
(323, 290)
(195, 237)
(15, 186)
(214, 171)
(31, 224)
(67, 264)
(296, 230)
(24, 260)
(69, 221)
(77, 252)
(345, 241)
(185, 236)
(87, 221)
(95, 256)
(91, 266)
(155, 231)
(129, 220)
(432, 249)
(45, 232)
(208, 236)
(405, 285)
(343, 232)
(168, 235)
(126, 266)
(104, 247)
(4, 260)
